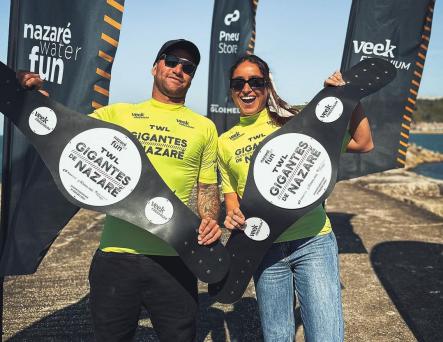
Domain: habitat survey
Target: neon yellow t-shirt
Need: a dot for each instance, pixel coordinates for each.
(181, 145)
(235, 149)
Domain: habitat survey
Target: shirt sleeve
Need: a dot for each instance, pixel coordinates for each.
(101, 114)
(208, 166)
(228, 182)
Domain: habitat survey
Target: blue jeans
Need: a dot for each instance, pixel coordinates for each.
(309, 268)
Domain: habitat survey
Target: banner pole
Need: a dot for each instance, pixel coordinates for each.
(6, 157)
(209, 115)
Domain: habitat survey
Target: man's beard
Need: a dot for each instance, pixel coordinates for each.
(177, 93)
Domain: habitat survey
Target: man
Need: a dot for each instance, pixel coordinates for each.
(133, 267)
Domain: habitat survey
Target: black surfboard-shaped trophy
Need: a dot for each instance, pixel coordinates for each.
(102, 167)
(294, 170)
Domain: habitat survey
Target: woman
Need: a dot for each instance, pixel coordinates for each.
(304, 259)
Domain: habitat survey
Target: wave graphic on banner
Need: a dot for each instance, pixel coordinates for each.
(398, 31)
(232, 36)
(72, 45)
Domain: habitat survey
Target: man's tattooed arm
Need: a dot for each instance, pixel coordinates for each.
(208, 201)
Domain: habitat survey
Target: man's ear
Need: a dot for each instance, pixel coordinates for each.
(154, 69)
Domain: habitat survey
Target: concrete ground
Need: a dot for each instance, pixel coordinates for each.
(391, 256)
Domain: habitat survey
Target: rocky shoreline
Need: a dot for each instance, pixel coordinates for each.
(419, 155)
(408, 186)
(427, 127)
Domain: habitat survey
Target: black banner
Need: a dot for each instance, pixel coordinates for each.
(72, 45)
(398, 31)
(232, 36)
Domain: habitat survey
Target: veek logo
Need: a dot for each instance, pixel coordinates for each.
(215, 108)
(159, 210)
(139, 116)
(184, 123)
(236, 135)
(232, 17)
(42, 120)
(385, 50)
(256, 229)
(329, 109)
(369, 48)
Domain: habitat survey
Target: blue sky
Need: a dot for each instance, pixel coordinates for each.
(301, 40)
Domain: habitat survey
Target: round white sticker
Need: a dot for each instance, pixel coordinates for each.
(42, 120)
(100, 166)
(159, 210)
(329, 109)
(256, 229)
(292, 170)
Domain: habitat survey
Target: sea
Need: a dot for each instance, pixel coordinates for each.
(432, 142)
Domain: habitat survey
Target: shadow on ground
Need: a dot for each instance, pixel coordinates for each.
(73, 323)
(412, 274)
(347, 240)
(240, 321)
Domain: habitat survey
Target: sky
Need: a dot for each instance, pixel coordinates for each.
(302, 41)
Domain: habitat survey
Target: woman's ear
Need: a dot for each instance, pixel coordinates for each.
(231, 94)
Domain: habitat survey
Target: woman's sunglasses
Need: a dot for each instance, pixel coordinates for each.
(172, 61)
(237, 84)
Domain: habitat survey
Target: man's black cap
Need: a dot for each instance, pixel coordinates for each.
(180, 44)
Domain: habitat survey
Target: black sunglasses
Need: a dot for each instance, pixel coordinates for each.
(172, 61)
(237, 84)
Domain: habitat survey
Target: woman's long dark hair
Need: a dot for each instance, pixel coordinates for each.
(264, 68)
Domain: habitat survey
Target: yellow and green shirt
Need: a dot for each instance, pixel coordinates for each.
(235, 149)
(181, 145)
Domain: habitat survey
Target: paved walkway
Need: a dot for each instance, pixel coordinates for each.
(391, 258)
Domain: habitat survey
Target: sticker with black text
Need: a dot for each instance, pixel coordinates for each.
(100, 166)
(292, 171)
(256, 229)
(42, 120)
(159, 210)
(329, 109)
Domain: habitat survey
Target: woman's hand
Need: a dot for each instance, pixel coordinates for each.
(234, 219)
(31, 80)
(335, 80)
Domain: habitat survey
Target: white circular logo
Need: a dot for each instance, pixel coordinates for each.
(159, 210)
(329, 109)
(256, 229)
(100, 166)
(292, 170)
(42, 120)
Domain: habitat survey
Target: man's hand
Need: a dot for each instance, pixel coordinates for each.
(234, 219)
(208, 232)
(31, 80)
(335, 80)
